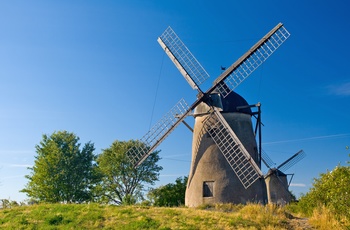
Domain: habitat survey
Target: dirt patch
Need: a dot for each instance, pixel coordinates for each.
(297, 223)
(300, 223)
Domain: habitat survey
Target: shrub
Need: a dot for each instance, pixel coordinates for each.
(331, 190)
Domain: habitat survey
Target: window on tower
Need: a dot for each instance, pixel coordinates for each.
(208, 188)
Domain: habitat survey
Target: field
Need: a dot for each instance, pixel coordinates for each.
(95, 216)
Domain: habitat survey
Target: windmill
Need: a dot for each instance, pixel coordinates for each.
(225, 164)
(276, 179)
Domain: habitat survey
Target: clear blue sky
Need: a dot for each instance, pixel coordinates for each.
(95, 68)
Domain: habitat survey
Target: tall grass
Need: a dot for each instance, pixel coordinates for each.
(321, 217)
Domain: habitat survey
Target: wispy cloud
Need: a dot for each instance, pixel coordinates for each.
(20, 165)
(12, 177)
(297, 185)
(10, 165)
(340, 89)
(170, 175)
(309, 138)
(177, 155)
(12, 152)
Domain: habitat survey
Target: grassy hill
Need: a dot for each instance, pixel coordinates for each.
(94, 216)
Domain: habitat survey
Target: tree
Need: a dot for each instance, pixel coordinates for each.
(121, 182)
(62, 172)
(332, 190)
(170, 194)
(6, 203)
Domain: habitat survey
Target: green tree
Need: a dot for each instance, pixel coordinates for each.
(121, 182)
(332, 190)
(170, 194)
(62, 172)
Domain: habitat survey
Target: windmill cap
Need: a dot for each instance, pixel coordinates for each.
(234, 100)
(228, 104)
(275, 171)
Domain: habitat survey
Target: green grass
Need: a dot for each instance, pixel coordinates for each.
(95, 216)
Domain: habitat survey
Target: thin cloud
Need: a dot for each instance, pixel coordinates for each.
(16, 152)
(308, 139)
(170, 175)
(20, 165)
(297, 185)
(9, 165)
(177, 155)
(13, 177)
(340, 89)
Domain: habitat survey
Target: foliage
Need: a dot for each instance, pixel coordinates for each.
(331, 190)
(170, 194)
(96, 216)
(5, 203)
(121, 182)
(62, 172)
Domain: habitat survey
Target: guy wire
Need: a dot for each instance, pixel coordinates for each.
(156, 94)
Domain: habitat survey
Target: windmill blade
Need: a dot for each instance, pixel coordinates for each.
(251, 60)
(149, 142)
(291, 161)
(233, 150)
(183, 59)
(267, 160)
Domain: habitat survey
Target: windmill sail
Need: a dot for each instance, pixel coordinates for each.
(251, 60)
(291, 161)
(266, 159)
(183, 59)
(150, 141)
(233, 150)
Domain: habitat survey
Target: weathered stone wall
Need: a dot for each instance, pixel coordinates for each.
(277, 188)
(209, 165)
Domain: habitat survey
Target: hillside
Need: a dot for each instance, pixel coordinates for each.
(92, 216)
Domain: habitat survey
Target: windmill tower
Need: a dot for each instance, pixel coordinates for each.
(276, 179)
(211, 179)
(225, 164)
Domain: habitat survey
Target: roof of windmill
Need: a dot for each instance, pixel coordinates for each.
(234, 100)
(276, 172)
(227, 104)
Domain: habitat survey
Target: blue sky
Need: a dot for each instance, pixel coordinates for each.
(95, 68)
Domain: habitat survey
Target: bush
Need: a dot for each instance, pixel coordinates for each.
(330, 190)
(170, 194)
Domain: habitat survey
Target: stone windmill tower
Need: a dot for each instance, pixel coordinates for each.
(225, 161)
(211, 179)
(276, 178)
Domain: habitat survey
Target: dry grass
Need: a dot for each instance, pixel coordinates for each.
(322, 218)
(93, 216)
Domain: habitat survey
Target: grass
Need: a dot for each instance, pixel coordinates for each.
(322, 218)
(95, 216)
